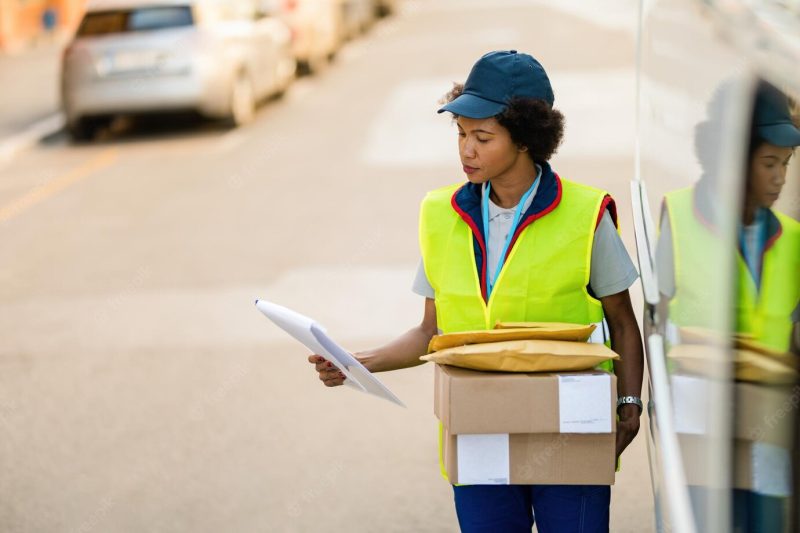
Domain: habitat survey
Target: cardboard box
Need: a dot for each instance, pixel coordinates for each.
(762, 468)
(526, 428)
(530, 458)
(759, 467)
(765, 413)
(762, 438)
(471, 401)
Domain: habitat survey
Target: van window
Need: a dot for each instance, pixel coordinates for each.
(141, 19)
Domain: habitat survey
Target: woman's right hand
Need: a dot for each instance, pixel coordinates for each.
(328, 373)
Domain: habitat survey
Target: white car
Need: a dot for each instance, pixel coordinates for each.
(317, 28)
(357, 16)
(217, 57)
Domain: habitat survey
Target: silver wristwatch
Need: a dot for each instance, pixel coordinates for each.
(622, 400)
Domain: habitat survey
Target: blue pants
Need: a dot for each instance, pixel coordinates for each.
(512, 508)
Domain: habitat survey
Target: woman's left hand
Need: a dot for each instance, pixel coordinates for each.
(627, 426)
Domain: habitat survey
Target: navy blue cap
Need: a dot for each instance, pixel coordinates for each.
(773, 120)
(495, 79)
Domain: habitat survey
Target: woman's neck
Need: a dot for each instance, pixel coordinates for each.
(749, 214)
(508, 191)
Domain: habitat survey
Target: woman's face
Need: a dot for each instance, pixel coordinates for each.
(767, 174)
(487, 151)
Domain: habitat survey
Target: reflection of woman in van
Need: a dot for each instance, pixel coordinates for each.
(768, 262)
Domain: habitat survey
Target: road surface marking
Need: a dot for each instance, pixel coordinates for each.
(55, 186)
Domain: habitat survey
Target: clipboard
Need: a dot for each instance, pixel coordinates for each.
(315, 337)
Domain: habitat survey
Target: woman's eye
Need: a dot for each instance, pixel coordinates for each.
(482, 141)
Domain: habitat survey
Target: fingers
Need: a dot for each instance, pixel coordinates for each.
(334, 382)
(328, 373)
(325, 366)
(332, 378)
(319, 362)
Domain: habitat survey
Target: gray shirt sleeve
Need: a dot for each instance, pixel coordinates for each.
(421, 284)
(612, 270)
(665, 258)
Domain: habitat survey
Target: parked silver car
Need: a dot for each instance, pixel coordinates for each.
(317, 29)
(357, 16)
(217, 57)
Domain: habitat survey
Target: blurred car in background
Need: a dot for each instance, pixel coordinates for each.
(316, 26)
(320, 27)
(357, 16)
(217, 57)
(385, 8)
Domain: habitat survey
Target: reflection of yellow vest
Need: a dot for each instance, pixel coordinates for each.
(695, 250)
(764, 313)
(544, 279)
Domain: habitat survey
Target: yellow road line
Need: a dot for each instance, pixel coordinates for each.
(103, 160)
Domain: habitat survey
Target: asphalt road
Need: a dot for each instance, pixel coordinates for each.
(140, 390)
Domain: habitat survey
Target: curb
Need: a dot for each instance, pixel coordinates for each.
(11, 146)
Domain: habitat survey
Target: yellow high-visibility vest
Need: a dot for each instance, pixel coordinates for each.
(544, 278)
(763, 312)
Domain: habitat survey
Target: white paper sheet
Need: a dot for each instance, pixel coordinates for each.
(584, 403)
(483, 459)
(314, 337)
(689, 395)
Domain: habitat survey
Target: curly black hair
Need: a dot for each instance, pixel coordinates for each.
(531, 122)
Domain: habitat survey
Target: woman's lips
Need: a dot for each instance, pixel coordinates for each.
(469, 170)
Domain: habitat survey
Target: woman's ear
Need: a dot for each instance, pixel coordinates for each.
(522, 148)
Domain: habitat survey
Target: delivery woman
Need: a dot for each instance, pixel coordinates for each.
(518, 243)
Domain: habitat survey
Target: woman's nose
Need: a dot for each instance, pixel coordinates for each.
(780, 177)
(468, 150)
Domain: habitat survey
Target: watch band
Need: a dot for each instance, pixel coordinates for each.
(623, 400)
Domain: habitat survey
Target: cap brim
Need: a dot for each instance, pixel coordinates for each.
(471, 106)
(783, 134)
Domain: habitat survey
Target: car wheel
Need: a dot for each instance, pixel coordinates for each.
(84, 129)
(314, 64)
(242, 101)
(284, 80)
(383, 9)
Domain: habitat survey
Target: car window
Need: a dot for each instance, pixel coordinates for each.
(161, 17)
(129, 20)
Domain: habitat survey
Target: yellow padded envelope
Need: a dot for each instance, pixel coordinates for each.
(759, 368)
(550, 326)
(525, 356)
(519, 331)
(787, 358)
(748, 365)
